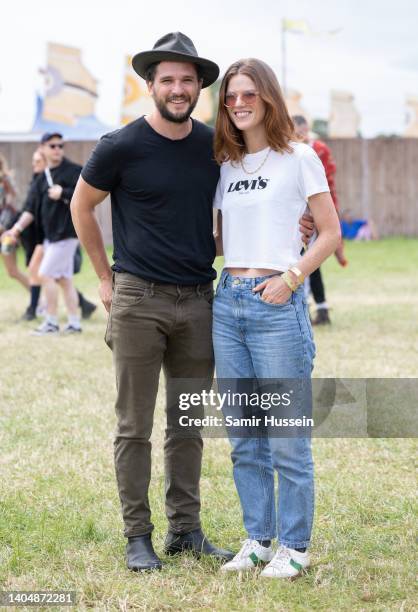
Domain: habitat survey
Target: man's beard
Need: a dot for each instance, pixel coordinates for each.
(169, 116)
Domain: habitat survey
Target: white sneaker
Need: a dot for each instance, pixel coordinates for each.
(71, 329)
(249, 557)
(46, 329)
(286, 563)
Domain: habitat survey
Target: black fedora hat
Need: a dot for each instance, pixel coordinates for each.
(175, 47)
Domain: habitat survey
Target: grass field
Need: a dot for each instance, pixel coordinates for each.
(60, 524)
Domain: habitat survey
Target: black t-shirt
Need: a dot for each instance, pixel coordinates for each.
(54, 216)
(162, 194)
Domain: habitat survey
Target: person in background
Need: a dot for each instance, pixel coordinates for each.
(324, 153)
(357, 229)
(48, 200)
(8, 214)
(32, 241)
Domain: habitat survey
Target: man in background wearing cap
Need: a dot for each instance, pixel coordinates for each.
(162, 177)
(49, 200)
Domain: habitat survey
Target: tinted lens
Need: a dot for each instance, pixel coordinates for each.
(247, 97)
(56, 146)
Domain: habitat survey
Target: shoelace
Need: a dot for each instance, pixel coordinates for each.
(281, 558)
(248, 547)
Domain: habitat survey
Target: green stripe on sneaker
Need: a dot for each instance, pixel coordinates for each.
(255, 559)
(296, 565)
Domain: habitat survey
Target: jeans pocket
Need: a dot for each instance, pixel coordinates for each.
(126, 295)
(260, 299)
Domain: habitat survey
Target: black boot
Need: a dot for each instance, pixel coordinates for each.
(322, 317)
(195, 542)
(29, 314)
(140, 554)
(87, 308)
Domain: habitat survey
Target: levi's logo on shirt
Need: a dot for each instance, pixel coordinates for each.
(247, 185)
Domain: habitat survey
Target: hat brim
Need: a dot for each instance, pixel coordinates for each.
(209, 70)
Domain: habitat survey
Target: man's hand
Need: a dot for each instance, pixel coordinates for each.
(306, 227)
(55, 192)
(105, 292)
(339, 254)
(275, 290)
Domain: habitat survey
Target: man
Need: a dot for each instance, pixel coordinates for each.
(325, 155)
(49, 200)
(162, 178)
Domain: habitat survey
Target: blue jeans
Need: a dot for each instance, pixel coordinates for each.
(256, 340)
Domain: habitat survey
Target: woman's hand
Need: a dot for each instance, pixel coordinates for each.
(275, 290)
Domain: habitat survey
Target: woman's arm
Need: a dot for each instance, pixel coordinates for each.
(329, 233)
(275, 289)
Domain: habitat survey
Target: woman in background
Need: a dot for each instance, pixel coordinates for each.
(8, 215)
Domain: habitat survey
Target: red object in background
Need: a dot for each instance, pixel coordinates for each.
(325, 155)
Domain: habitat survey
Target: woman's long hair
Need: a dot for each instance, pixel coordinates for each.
(4, 167)
(229, 142)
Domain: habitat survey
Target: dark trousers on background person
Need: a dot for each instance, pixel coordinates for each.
(151, 326)
(317, 286)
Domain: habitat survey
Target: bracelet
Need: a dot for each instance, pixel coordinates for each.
(18, 227)
(299, 275)
(289, 282)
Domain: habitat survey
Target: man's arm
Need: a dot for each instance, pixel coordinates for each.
(83, 203)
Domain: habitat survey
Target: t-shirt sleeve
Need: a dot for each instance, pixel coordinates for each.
(30, 204)
(312, 177)
(102, 168)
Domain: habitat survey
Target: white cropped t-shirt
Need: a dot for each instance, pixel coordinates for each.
(261, 211)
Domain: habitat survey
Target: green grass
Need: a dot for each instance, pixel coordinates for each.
(60, 523)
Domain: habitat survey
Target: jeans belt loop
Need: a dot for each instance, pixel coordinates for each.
(152, 289)
(199, 293)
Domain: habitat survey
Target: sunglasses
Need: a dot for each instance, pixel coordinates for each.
(246, 97)
(56, 146)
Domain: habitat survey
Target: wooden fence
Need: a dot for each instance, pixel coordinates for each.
(376, 179)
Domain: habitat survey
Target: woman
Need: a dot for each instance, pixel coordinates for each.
(32, 239)
(8, 215)
(261, 325)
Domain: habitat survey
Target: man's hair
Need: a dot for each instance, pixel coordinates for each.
(299, 120)
(152, 68)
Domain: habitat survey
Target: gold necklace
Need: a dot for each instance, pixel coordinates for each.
(259, 167)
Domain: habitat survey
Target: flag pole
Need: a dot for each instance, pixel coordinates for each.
(283, 57)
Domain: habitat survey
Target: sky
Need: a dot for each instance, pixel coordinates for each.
(374, 56)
